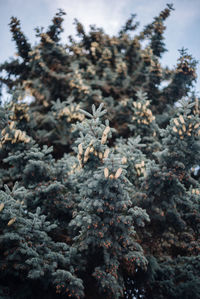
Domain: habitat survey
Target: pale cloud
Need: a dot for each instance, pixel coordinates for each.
(108, 15)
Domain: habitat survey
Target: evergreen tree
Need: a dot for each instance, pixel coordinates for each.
(99, 202)
(172, 202)
(104, 221)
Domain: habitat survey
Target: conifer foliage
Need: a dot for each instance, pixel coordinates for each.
(100, 188)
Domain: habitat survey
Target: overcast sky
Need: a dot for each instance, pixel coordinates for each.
(182, 26)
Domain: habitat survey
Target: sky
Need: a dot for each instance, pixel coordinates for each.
(182, 26)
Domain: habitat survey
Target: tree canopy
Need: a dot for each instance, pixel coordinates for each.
(100, 187)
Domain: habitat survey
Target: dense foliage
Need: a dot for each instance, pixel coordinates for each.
(100, 189)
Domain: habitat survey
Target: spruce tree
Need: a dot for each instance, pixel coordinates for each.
(104, 222)
(100, 172)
